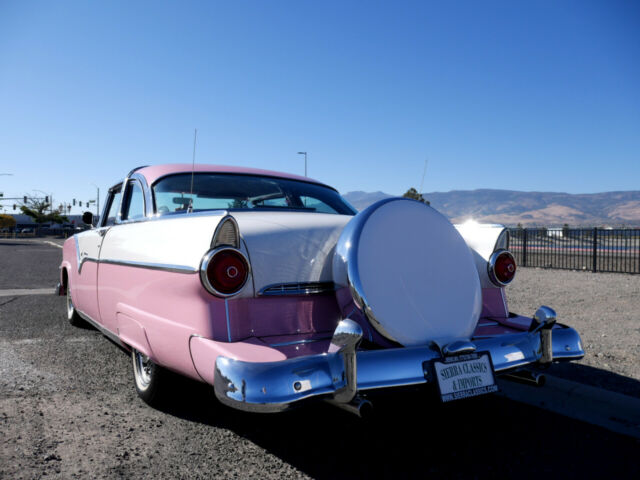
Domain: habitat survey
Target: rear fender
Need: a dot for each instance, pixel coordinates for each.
(483, 240)
(133, 335)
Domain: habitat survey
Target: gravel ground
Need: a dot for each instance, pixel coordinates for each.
(68, 408)
(603, 307)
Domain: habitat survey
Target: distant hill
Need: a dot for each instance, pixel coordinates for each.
(511, 207)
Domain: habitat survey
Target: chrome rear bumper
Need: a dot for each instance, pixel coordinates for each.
(340, 374)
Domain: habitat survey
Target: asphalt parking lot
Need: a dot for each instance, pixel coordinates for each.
(68, 409)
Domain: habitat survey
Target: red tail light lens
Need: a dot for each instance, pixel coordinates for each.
(224, 271)
(502, 267)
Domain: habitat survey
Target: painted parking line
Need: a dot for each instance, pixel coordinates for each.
(52, 243)
(17, 292)
(613, 411)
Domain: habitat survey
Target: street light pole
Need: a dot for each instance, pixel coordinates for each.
(97, 200)
(305, 162)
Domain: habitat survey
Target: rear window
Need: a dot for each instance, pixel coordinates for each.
(214, 191)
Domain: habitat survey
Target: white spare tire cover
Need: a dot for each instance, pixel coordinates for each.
(410, 272)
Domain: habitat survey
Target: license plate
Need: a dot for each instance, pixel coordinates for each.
(465, 376)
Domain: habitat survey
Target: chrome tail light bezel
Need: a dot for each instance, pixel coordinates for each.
(204, 265)
(491, 267)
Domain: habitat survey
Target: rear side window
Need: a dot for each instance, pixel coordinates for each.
(134, 203)
(114, 205)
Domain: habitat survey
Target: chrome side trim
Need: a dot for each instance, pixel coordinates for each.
(300, 342)
(226, 313)
(107, 333)
(300, 288)
(171, 216)
(84, 260)
(151, 266)
(191, 355)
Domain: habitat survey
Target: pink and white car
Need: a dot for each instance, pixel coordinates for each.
(271, 288)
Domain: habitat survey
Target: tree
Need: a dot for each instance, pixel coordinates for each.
(7, 221)
(413, 193)
(36, 209)
(238, 203)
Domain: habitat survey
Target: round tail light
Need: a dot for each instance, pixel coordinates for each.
(502, 267)
(224, 271)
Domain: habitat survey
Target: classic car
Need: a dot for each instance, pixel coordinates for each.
(274, 290)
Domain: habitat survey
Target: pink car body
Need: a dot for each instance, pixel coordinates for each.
(314, 314)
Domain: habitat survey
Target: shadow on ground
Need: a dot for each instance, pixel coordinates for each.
(413, 435)
(597, 377)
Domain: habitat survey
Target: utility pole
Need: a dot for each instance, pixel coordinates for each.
(97, 200)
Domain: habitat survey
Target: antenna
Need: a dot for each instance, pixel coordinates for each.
(193, 167)
(424, 172)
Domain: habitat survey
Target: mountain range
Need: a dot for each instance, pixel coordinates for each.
(511, 207)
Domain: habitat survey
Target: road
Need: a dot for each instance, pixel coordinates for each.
(68, 409)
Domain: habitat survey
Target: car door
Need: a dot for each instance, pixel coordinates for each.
(88, 246)
(113, 272)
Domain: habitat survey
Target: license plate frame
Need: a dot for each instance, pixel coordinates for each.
(474, 369)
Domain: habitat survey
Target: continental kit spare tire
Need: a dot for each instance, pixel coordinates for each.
(410, 272)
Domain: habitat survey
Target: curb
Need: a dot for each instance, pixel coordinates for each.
(18, 292)
(613, 411)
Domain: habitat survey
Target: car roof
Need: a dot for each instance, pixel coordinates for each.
(154, 172)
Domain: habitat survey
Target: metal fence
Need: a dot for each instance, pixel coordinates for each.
(594, 249)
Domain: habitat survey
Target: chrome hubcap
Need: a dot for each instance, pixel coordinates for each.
(69, 303)
(142, 366)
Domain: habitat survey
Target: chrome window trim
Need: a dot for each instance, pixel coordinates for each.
(204, 263)
(123, 189)
(107, 206)
(146, 192)
(303, 288)
(311, 182)
(132, 181)
(491, 267)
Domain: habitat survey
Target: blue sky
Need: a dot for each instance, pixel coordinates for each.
(517, 95)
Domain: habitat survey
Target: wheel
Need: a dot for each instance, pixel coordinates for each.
(151, 380)
(72, 315)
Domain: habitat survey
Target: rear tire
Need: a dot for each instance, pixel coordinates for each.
(151, 380)
(72, 315)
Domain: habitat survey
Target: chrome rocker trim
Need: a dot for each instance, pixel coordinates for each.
(340, 374)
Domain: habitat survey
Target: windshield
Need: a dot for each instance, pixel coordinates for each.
(219, 191)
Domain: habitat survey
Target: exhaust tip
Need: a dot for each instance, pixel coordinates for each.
(361, 407)
(527, 377)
